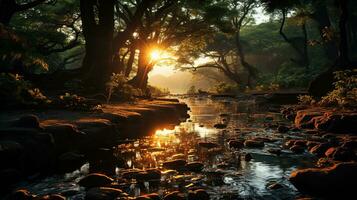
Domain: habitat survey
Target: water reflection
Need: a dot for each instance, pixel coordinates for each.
(226, 174)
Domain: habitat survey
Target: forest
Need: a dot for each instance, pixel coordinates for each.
(178, 99)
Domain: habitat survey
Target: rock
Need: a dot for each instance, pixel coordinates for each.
(208, 145)
(174, 196)
(69, 161)
(340, 154)
(282, 129)
(335, 181)
(194, 167)
(253, 143)
(175, 164)
(289, 143)
(199, 194)
(275, 151)
(104, 193)
(336, 122)
(275, 186)
(320, 149)
(28, 121)
(148, 175)
(350, 144)
(152, 196)
(51, 197)
(248, 157)
(305, 118)
(21, 194)
(220, 126)
(297, 149)
(311, 144)
(300, 143)
(95, 180)
(236, 144)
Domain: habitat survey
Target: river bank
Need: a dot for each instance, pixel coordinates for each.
(37, 143)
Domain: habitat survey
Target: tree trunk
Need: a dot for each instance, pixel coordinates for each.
(98, 33)
(322, 18)
(144, 67)
(252, 72)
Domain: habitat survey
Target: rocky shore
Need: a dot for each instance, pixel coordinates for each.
(334, 141)
(36, 143)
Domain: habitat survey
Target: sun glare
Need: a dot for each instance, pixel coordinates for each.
(155, 54)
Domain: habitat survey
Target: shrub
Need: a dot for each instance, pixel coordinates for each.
(344, 93)
(306, 100)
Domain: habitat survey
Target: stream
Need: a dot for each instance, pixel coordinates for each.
(228, 173)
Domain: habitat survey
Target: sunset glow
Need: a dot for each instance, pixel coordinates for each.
(155, 55)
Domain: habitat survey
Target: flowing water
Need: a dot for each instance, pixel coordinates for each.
(226, 173)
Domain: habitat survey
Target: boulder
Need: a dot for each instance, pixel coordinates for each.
(194, 167)
(254, 143)
(104, 193)
(21, 194)
(175, 164)
(198, 194)
(320, 149)
(297, 149)
(305, 118)
(95, 180)
(175, 196)
(236, 144)
(27, 121)
(283, 129)
(335, 122)
(340, 154)
(336, 181)
(70, 161)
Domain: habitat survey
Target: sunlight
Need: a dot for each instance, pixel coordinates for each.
(155, 54)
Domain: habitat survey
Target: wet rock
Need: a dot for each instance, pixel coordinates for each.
(253, 143)
(95, 180)
(28, 121)
(104, 193)
(51, 197)
(274, 186)
(320, 149)
(289, 143)
(21, 194)
(297, 149)
(300, 143)
(208, 145)
(174, 196)
(69, 161)
(248, 157)
(311, 144)
(305, 118)
(102, 160)
(215, 177)
(335, 181)
(194, 167)
(131, 174)
(220, 126)
(283, 129)
(340, 154)
(236, 144)
(152, 196)
(175, 164)
(148, 175)
(350, 144)
(336, 122)
(275, 151)
(199, 194)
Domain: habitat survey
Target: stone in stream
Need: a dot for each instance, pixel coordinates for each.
(175, 196)
(27, 121)
(152, 196)
(340, 154)
(274, 186)
(248, 157)
(320, 149)
(274, 151)
(194, 167)
(21, 194)
(148, 175)
(236, 144)
(283, 129)
(253, 143)
(175, 164)
(69, 161)
(104, 193)
(95, 180)
(51, 197)
(220, 126)
(208, 145)
(333, 182)
(198, 194)
(298, 149)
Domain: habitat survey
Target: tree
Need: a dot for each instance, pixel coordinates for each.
(9, 7)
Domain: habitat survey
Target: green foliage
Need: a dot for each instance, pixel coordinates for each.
(345, 90)
(224, 88)
(118, 86)
(267, 87)
(306, 100)
(75, 102)
(15, 92)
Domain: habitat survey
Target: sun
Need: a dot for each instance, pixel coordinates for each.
(155, 54)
